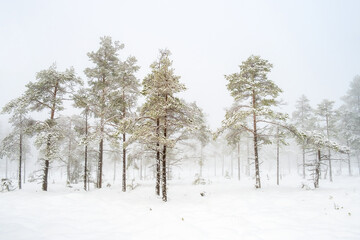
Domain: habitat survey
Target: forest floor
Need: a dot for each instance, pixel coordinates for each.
(228, 210)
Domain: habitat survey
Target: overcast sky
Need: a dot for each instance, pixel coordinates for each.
(313, 45)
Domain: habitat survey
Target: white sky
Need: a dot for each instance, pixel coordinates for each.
(314, 45)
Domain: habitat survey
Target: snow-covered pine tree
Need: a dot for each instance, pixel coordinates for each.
(255, 97)
(201, 131)
(14, 144)
(303, 119)
(164, 114)
(102, 80)
(81, 101)
(125, 100)
(352, 104)
(326, 113)
(233, 137)
(70, 146)
(48, 93)
(346, 126)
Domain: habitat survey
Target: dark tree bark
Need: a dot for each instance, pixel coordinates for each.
(164, 189)
(317, 169)
(86, 152)
(158, 161)
(124, 165)
(257, 169)
(20, 154)
(100, 163)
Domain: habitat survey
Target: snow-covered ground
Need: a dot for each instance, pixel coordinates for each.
(229, 210)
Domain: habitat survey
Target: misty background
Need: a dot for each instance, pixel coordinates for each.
(314, 46)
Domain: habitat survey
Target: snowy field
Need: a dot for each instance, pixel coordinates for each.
(229, 210)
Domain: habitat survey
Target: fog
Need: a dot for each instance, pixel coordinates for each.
(314, 46)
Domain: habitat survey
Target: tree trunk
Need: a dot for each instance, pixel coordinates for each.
(317, 169)
(24, 160)
(68, 169)
(329, 153)
(303, 160)
(124, 164)
(277, 157)
(48, 144)
(20, 156)
(158, 162)
(6, 168)
(100, 163)
(86, 151)
(238, 159)
(164, 187)
(257, 169)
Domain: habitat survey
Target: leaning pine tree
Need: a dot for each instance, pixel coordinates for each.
(255, 96)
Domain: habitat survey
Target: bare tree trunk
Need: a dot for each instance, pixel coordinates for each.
(257, 168)
(24, 160)
(303, 160)
(6, 168)
(158, 162)
(86, 151)
(164, 187)
(277, 157)
(69, 160)
(20, 156)
(317, 169)
(100, 163)
(238, 159)
(124, 165)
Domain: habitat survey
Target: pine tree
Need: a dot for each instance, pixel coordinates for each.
(48, 93)
(163, 112)
(102, 79)
(200, 132)
(325, 112)
(255, 97)
(81, 101)
(127, 86)
(14, 144)
(352, 106)
(303, 119)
